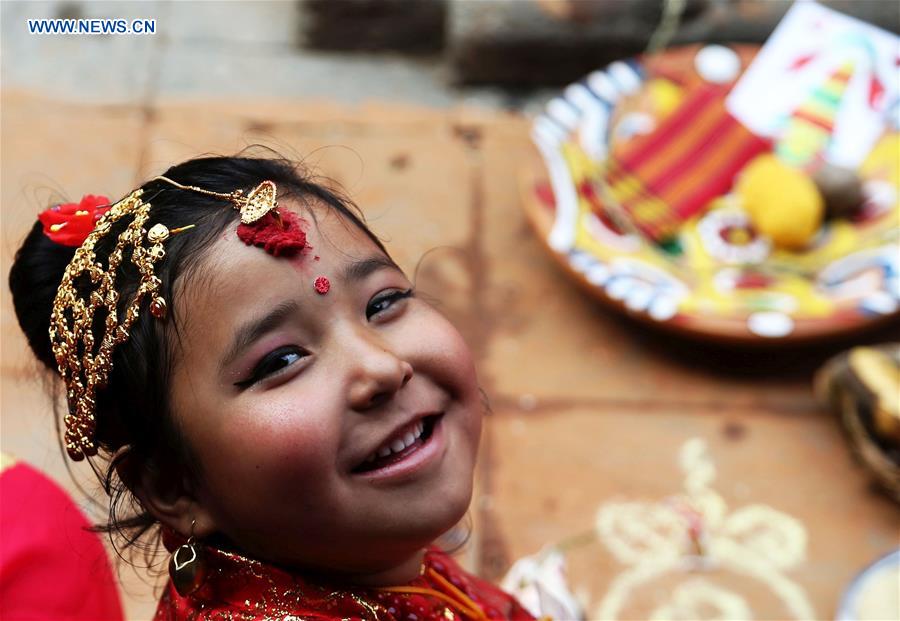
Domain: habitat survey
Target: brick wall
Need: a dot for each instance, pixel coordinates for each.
(543, 42)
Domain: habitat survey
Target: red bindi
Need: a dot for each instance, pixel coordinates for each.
(322, 285)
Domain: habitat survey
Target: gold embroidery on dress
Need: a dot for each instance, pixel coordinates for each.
(366, 605)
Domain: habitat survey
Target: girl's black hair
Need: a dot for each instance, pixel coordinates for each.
(133, 410)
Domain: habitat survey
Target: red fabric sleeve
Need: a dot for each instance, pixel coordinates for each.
(50, 566)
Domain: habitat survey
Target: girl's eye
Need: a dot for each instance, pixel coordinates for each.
(383, 302)
(279, 359)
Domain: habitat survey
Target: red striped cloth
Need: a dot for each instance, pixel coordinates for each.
(671, 174)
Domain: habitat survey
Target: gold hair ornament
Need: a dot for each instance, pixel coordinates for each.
(85, 367)
(261, 200)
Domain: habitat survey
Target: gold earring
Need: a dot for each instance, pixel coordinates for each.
(187, 567)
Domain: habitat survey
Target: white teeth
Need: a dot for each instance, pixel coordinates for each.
(401, 443)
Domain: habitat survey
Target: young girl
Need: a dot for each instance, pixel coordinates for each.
(265, 386)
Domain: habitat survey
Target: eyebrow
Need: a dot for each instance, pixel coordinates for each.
(253, 329)
(248, 333)
(359, 270)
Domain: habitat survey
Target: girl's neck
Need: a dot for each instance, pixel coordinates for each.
(403, 573)
(400, 574)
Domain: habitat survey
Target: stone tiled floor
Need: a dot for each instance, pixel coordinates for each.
(588, 408)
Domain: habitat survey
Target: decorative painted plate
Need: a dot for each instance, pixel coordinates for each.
(686, 256)
(871, 594)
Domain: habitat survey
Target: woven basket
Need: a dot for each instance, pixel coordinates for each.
(849, 394)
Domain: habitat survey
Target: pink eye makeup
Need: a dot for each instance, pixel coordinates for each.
(382, 306)
(273, 363)
(383, 303)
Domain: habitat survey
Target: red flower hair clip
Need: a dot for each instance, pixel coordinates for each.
(69, 224)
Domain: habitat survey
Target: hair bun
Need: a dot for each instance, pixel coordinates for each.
(33, 280)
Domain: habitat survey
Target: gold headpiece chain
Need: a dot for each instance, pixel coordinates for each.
(83, 366)
(261, 200)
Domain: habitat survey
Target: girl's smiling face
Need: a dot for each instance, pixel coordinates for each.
(289, 400)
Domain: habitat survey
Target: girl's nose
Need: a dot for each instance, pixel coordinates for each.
(378, 375)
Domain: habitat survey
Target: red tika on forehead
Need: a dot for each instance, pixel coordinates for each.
(267, 233)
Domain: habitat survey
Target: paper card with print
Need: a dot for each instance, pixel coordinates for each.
(822, 87)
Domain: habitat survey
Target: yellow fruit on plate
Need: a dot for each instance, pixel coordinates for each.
(666, 96)
(783, 202)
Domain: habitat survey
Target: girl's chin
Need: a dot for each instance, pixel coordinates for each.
(409, 533)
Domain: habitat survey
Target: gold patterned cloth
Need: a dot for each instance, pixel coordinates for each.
(238, 588)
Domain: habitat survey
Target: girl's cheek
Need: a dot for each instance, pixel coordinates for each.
(459, 355)
(282, 436)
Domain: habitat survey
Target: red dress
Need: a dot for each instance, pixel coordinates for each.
(240, 588)
(51, 566)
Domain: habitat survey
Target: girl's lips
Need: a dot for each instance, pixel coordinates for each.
(420, 455)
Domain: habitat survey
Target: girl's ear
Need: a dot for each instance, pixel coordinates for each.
(165, 491)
